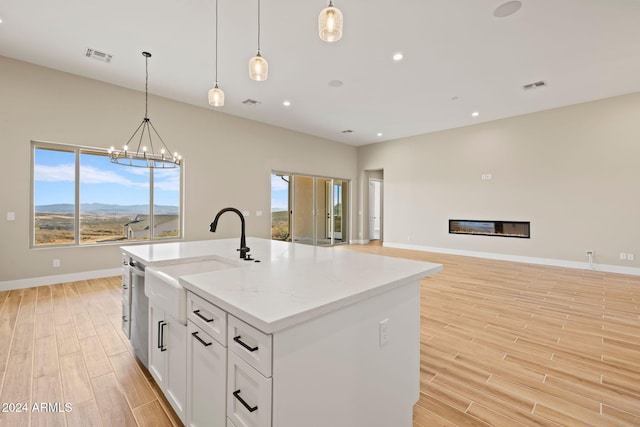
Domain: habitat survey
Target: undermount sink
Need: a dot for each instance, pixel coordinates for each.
(163, 289)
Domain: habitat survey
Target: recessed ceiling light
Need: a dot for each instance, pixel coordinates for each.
(475, 114)
(398, 56)
(286, 103)
(507, 9)
(335, 83)
(379, 133)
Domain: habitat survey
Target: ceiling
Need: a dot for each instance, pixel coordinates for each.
(458, 57)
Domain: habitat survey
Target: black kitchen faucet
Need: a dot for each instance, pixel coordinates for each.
(244, 250)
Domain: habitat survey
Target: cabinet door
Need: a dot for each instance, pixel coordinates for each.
(175, 342)
(206, 379)
(248, 394)
(157, 358)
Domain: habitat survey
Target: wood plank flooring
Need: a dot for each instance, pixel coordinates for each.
(62, 344)
(502, 344)
(508, 344)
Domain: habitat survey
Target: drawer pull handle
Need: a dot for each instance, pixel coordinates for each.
(124, 319)
(239, 341)
(203, 342)
(236, 394)
(197, 313)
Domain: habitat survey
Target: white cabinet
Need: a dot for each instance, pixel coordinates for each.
(168, 357)
(206, 379)
(248, 394)
(251, 344)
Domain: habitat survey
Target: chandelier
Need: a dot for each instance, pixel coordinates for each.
(145, 154)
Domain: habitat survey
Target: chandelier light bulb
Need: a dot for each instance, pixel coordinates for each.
(330, 24)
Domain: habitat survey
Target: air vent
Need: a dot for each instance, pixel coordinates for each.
(98, 56)
(250, 101)
(347, 131)
(534, 85)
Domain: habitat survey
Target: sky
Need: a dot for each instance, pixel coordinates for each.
(100, 181)
(279, 193)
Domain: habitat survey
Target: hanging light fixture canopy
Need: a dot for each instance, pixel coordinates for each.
(216, 95)
(330, 23)
(258, 66)
(145, 155)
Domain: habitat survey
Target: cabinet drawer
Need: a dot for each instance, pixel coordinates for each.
(126, 283)
(248, 394)
(126, 318)
(206, 380)
(207, 316)
(252, 345)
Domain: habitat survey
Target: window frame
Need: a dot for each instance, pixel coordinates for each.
(78, 150)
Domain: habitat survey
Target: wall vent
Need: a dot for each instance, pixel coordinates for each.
(534, 85)
(250, 101)
(98, 56)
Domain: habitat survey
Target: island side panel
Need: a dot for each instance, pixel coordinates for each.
(333, 371)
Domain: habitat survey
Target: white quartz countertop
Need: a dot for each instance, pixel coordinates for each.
(291, 284)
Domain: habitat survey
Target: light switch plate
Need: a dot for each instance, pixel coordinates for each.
(11, 216)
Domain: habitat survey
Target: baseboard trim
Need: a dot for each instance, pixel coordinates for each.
(59, 278)
(359, 242)
(632, 271)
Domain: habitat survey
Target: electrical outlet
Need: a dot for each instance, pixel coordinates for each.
(623, 255)
(486, 176)
(11, 216)
(383, 332)
(630, 257)
(588, 253)
(56, 263)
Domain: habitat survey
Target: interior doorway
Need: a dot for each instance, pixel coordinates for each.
(375, 208)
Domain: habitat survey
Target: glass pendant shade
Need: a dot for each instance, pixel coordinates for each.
(330, 24)
(216, 96)
(258, 68)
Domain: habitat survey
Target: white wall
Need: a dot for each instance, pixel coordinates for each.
(228, 160)
(574, 172)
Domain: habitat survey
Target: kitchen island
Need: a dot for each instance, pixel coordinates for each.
(307, 336)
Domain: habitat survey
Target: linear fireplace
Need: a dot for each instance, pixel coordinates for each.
(519, 229)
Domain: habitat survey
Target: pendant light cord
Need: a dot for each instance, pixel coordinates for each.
(216, 41)
(258, 26)
(146, 87)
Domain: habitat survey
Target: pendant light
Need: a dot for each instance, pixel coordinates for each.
(258, 66)
(145, 156)
(216, 95)
(330, 23)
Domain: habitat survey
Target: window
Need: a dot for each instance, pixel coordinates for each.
(79, 198)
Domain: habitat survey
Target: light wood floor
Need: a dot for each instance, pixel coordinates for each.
(63, 344)
(503, 344)
(510, 344)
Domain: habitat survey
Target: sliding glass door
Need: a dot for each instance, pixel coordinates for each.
(316, 211)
